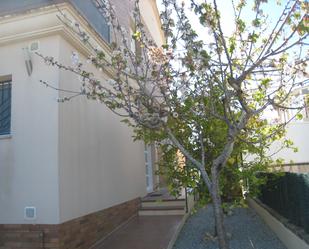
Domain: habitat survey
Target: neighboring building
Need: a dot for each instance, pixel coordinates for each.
(297, 131)
(299, 97)
(297, 162)
(69, 172)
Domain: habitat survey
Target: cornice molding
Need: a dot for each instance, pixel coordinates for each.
(54, 28)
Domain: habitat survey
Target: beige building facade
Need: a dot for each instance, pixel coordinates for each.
(297, 130)
(298, 161)
(70, 172)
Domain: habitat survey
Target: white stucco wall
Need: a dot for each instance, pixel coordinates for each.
(28, 159)
(150, 15)
(67, 159)
(299, 134)
(99, 164)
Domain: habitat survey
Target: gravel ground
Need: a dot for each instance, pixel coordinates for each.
(247, 229)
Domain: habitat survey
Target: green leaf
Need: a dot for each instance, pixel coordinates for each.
(232, 47)
(256, 22)
(299, 116)
(137, 36)
(253, 37)
(265, 82)
(241, 25)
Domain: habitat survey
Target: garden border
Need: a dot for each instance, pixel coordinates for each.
(289, 238)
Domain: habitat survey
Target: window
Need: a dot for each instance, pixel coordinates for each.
(90, 10)
(5, 107)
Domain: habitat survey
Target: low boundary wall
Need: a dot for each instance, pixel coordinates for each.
(288, 238)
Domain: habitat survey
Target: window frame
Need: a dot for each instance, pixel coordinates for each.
(6, 80)
(83, 8)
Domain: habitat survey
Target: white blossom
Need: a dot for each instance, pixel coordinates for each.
(75, 58)
(175, 114)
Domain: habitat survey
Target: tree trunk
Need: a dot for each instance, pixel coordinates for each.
(218, 212)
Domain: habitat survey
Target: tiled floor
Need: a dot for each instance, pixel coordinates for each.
(143, 232)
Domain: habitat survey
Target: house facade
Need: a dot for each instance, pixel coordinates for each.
(70, 172)
(297, 131)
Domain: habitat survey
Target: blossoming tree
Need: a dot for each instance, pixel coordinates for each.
(200, 78)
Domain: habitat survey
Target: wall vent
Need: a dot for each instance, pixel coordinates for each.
(34, 46)
(30, 213)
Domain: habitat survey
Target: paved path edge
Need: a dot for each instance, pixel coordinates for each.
(175, 236)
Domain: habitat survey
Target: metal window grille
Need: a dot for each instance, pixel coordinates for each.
(5, 107)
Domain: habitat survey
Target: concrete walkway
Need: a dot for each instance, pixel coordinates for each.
(143, 232)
